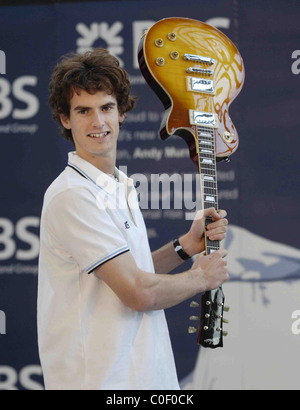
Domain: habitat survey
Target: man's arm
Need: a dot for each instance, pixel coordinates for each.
(166, 259)
(145, 291)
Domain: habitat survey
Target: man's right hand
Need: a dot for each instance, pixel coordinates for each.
(212, 269)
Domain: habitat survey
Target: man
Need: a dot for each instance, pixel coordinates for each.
(101, 323)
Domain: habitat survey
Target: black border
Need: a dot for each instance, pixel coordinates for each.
(4, 3)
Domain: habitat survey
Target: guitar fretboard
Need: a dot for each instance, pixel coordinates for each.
(208, 176)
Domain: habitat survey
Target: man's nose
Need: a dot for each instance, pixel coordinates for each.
(98, 119)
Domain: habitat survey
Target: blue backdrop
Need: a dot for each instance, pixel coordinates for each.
(258, 188)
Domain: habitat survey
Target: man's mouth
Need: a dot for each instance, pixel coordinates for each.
(98, 134)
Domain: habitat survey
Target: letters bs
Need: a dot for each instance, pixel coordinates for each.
(2, 62)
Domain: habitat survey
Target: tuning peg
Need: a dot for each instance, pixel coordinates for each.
(226, 308)
(225, 320)
(194, 304)
(194, 318)
(225, 333)
(192, 329)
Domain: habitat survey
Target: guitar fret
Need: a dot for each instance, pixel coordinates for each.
(206, 168)
(210, 190)
(210, 186)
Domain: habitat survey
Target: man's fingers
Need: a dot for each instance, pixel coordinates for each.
(216, 215)
(217, 230)
(220, 253)
(222, 213)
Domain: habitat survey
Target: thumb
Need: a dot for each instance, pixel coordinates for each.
(204, 213)
(212, 212)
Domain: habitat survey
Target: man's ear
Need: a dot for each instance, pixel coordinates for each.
(65, 121)
(122, 118)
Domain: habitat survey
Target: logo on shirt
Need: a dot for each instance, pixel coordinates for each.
(126, 224)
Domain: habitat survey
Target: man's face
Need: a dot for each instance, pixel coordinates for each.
(94, 122)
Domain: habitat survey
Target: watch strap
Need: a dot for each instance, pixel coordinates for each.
(180, 251)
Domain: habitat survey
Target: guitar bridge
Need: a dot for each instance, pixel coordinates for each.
(199, 59)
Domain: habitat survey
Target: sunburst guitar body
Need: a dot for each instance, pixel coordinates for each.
(197, 71)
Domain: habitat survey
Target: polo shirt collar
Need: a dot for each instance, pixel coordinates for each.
(95, 175)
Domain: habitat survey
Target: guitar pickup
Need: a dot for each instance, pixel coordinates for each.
(199, 59)
(200, 85)
(203, 118)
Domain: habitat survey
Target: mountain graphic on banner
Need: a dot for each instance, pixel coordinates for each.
(262, 347)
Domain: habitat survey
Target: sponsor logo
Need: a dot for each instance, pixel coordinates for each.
(95, 33)
(17, 101)
(19, 241)
(11, 379)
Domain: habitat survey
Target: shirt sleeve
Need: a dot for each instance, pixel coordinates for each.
(84, 230)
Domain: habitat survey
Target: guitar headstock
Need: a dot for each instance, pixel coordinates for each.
(210, 332)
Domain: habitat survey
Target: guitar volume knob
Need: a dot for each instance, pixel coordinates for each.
(174, 55)
(172, 36)
(159, 42)
(160, 61)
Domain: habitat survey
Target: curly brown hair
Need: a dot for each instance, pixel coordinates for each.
(92, 71)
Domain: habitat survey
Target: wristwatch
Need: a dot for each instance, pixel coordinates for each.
(180, 251)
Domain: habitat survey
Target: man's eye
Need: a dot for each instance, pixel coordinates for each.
(82, 111)
(107, 108)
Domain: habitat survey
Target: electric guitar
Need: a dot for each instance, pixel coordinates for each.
(196, 72)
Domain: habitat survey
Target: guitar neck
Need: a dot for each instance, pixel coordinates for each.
(211, 319)
(208, 177)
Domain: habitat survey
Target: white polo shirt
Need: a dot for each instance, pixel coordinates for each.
(88, 339)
